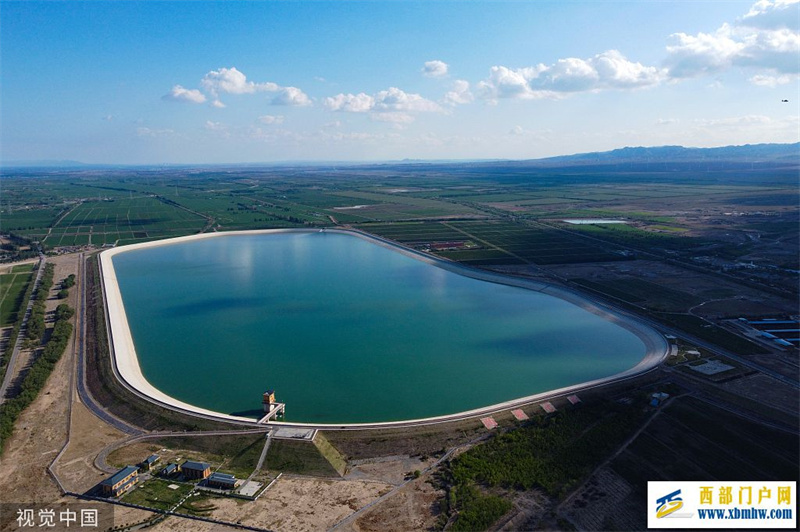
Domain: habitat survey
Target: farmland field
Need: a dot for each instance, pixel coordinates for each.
(711, 448)
(500, 242)
(122, 221)
(12, 285)
(732, 220)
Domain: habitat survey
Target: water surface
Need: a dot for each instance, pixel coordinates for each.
(346, 330)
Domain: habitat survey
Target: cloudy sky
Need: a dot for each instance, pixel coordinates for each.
(227, 82)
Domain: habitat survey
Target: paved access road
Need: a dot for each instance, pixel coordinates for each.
(80, 329)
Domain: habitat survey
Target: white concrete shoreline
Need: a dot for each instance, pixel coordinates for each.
(127, 370)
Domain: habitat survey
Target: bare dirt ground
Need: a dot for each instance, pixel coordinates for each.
(39, 434)
(295, 504)
(64, 266)
(392, 469)
(88, 437)
(136, 452)
(414, 507)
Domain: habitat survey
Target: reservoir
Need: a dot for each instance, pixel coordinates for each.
(347, 330)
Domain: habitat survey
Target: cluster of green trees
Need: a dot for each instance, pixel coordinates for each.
(63, 312)
(66, 283)
(37, 375)
(36, 320)
(472, 509)
(553, 453)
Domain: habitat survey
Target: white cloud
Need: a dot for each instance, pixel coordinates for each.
(772, 15)
(771, 81)
(736, 121)
(667, 121)
(218, 129)
(435, 69)
(154, 133)
(352, 103)
(398, 119)
(291, 96)
(395, 99)
(214, 126)
(504, 82)
(766, 38)
(179, 94)
(271, 136)
(271, 119)
(608, 70)
(232, 81)
(517, 131)
(460, 94)
(752, 129)
(392, 105)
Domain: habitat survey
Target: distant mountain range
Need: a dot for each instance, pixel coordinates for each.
(748, 153)
(780, 154)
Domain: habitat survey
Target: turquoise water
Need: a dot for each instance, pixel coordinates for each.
(349, 331)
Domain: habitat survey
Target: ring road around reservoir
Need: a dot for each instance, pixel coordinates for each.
(128, 370)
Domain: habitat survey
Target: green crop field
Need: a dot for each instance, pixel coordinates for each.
(538, 245)
(122, 221)
(498, 242)
(12, 286)
(29, 221)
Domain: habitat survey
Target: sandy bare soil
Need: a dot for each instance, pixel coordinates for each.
(413, 507)
(88, 437)
(136, 452)
(392, 469)
(292, 504)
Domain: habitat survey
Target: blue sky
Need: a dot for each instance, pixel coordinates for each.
(227, 82)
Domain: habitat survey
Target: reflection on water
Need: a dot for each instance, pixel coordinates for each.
(349, 331)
